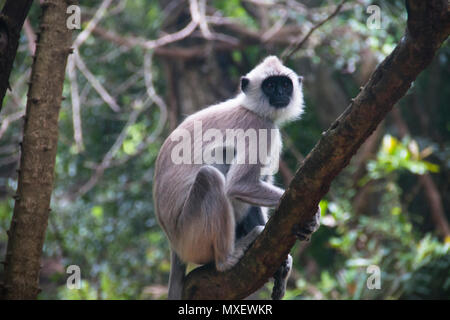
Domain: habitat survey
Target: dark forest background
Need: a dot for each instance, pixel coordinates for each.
(125, 93)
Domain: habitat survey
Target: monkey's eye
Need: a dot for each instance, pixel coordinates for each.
(287, 83)
(270, 85)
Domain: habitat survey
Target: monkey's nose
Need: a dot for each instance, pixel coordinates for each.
(280, 90)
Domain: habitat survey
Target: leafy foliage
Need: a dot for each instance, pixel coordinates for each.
(111, 231)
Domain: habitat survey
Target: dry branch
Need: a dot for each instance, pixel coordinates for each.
(31, 36)
(108, 160)
(292, 49)
(428, 27)
(76, 106)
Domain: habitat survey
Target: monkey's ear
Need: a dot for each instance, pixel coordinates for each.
(244, 83)
(300, 79)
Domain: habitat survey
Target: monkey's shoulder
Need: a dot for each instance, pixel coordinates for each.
(231, 114)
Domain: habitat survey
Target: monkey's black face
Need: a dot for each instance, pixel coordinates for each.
(278, 90)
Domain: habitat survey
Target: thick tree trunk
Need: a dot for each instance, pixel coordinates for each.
(12, 18)
(428, 27)
(29, 222)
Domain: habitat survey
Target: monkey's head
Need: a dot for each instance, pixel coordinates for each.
(273, 91)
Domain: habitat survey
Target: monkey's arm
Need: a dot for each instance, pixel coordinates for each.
(244, 183)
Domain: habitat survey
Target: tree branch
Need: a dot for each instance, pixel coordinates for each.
(292, 49)
(76, 106)
(428, 28)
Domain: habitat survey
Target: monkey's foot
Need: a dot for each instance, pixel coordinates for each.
(304, 233)
(280, 279)
(239, 250)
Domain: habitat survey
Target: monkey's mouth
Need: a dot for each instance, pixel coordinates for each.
(279, 103)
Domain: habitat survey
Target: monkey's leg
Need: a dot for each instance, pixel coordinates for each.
(304, 234)
(208, 220)
(176, 278)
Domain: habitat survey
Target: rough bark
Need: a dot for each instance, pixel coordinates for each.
(428, 27)
(12, 18)
(31, 210)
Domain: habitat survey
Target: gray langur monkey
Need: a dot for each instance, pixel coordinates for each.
(212, 209)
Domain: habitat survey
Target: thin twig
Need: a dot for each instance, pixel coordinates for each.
(156, 99)
(276, 27)
(167, 39)
(8, 120)
(75, 98)
(291, 50)
(31, 36)
(198, 16)
(74, 60)
(95, 82)
(109, 156)
(82, 37)
(131, 41)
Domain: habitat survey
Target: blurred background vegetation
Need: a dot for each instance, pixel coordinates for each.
(388, 208)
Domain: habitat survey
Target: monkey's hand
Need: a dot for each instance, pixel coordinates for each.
(304, 234)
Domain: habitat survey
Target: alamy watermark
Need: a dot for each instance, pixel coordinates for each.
(374, 20)
(228, 146)
(74, 20)
(74, 280)
(374, 280)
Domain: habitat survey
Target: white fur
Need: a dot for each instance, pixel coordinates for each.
(255, 100)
